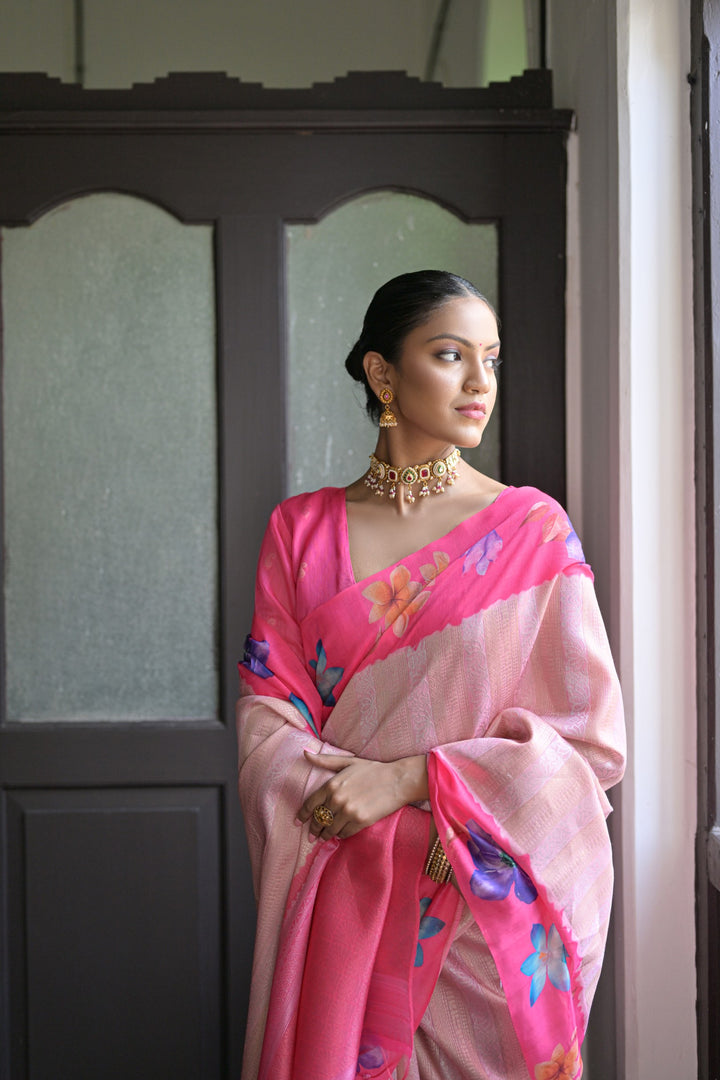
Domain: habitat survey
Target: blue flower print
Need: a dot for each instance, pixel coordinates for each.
(326, 679)
(429, 927)
(548, 960)
(574, 547)
(496, 872)
(306, 714)
(256, 653)
(481, 554)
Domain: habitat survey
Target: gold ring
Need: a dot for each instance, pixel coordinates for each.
(323, 815)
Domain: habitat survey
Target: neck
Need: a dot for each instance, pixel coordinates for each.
(398, 452)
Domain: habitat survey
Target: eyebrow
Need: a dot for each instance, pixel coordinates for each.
(461, 340)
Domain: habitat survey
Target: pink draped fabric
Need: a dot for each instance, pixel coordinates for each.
(484, 650)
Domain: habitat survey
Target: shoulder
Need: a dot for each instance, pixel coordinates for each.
(523, 504)
(306, 509)
(532, 498)
(307, 522)
(555, 524)
(307, 537)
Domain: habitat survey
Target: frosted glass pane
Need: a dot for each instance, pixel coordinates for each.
(110, 449)
(333, 268)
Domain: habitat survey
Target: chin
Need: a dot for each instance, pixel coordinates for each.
(468, 440)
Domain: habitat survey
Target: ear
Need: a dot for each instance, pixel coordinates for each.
(378, 372)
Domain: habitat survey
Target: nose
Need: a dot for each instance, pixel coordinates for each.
(478, 380)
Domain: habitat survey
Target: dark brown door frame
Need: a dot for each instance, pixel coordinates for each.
(705, 105)
(210, 149)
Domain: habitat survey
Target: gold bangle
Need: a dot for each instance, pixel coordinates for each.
(431, 856)
(438, 867)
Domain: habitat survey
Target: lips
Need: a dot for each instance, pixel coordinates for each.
(476, 411)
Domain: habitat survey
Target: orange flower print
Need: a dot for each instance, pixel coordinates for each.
(401, 623)
(555, 527)
(537, 510)
(561, 1066)
(395, 601)
(440, 562)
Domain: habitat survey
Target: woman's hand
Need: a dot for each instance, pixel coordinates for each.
(362, 792)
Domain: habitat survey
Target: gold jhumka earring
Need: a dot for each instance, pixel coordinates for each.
(387, 417)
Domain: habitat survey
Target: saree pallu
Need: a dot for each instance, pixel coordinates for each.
(485, 651)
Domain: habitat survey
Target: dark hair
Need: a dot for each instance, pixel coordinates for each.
(395, 310)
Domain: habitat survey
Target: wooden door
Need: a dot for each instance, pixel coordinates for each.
(126, 900)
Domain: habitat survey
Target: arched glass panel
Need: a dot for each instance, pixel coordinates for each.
(333, 268)
(110, 446)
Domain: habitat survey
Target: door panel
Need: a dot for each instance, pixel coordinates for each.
(110, 465)
(126, 897)
(120, 900)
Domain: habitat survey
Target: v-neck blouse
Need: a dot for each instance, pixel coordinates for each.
(314, 526)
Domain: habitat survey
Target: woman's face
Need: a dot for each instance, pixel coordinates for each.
(444, 381)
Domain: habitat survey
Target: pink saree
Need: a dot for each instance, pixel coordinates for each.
(485, 650)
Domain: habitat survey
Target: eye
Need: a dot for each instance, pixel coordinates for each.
(492, 362)
(450, 354)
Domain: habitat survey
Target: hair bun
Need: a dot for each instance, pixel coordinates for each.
(354, 361)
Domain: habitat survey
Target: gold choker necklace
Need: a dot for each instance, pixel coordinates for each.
(438, 470)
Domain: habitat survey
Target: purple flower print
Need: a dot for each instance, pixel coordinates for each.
(256, 653)
(495, 872)
(548, 961)
(574, 547)
(371, 1058)
(481, 554)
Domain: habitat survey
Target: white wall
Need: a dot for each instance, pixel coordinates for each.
(504, 27)
(276, 42)
(657, 344)
(273, 42)
(623, 67)
(37, 35)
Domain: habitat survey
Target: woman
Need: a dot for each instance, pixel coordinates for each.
(428, 692)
